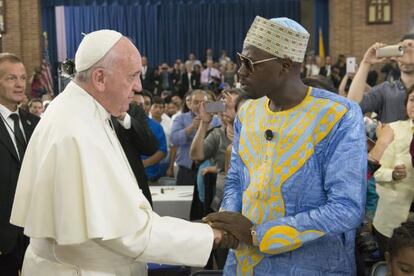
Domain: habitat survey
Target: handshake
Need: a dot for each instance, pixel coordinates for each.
(230, 228)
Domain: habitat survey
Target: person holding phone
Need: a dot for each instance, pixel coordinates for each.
(386, 99)
(183, 130)
(214, 144)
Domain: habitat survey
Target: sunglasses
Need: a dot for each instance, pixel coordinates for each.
(248, 63)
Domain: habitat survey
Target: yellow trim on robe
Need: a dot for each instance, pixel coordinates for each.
(291, 241)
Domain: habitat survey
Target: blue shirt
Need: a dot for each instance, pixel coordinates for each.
(156, 128)
(182, 141)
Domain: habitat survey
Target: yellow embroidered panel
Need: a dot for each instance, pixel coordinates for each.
(270, 163)
(280, 239)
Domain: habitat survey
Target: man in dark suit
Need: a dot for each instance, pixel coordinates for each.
(147, 76)
(326, 69)
(189, 80)
(136, 140)
(16, 127)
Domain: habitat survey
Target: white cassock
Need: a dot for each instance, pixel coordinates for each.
(80, 204)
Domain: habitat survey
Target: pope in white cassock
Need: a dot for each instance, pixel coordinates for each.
(77, 197)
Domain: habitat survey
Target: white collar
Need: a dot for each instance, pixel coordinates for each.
(75, 88)
(5, 112)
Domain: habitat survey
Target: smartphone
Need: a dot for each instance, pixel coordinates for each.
(351, 65)
(390, 51)
(215, 107)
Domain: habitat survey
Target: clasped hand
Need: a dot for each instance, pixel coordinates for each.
(234, 228)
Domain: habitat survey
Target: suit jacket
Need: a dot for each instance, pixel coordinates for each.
(9, 174)
(137, 141)
(324, 71)
(159, 80)
(195, 83)
(148, 82)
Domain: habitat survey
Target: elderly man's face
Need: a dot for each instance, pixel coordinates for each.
(123, 78)
(12, 83)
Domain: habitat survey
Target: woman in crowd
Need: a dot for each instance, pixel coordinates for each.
(395, 178)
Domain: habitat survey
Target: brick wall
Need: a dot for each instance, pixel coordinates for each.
(350, 35)
(23, 32)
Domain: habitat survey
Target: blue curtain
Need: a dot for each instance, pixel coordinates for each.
(321, 20)
(165, 30)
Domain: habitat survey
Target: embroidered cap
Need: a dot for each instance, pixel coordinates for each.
(281, 37)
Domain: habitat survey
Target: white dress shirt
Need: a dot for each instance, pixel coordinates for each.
(9, 124)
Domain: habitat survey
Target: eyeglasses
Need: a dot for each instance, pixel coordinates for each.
(248, 63)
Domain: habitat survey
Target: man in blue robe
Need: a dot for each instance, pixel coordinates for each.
(295, 190)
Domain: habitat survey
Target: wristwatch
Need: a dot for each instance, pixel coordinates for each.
(255, 241)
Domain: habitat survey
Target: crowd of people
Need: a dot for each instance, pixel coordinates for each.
(285, 166)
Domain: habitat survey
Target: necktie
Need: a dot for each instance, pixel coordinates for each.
(412, 150)
(209, 74)
(20, 141)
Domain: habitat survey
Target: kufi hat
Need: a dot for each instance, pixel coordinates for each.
(281, 37)
(93, 47)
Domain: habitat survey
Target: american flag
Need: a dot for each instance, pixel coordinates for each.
(45, 74)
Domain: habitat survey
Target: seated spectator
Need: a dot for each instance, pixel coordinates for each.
(36, 107)
(152, 164)
(395, 179)
(387, 98)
